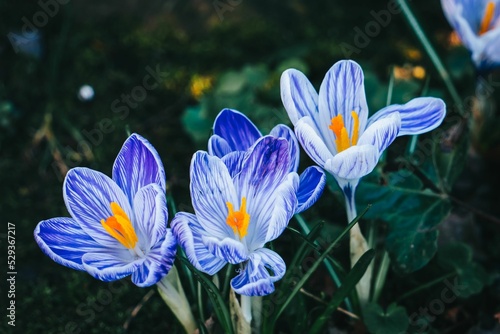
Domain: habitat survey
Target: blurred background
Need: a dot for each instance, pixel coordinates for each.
(77, 76)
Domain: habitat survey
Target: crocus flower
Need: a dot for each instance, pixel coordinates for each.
(119, 225)
(478, 25)
(235, 132)
(237, 213)
(334, 129)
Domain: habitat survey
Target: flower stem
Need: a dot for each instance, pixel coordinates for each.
(358, 246)
(380, 278)
(246, 308)
(173, 295)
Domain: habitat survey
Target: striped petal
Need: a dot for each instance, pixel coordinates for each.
(311, 185)
(228, 249)
(281, 207)
(88, 195)
(218, 146)
(238, 131)
(150, 207)
(283, 131)
(64, 241)
(234, 162)
(111, 265)
(189, 234)
(255, 279)
(265, 168)
(342, 91)
(298, 96)
(211, 188)
(311, 142)
(353, 163)
(158, 262)
(419, 115)
(382, 133)
(137, 165)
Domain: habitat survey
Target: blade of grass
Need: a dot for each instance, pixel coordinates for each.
(380, 278)
(412, 20)
(390, 88)
(425, 286)
(220, 307)
(180, 252)
(347, 286)
(311, 243)
(309, 272)
(328, 265)
(227, 276)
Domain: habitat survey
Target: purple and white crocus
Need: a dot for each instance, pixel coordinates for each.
(118, 226)
(235, 132)
(241, 202)
(477, 23)
(333, 126)
(334, 129)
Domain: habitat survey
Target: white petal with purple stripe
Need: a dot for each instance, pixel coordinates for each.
(298, 96)
(189, 234)
(137, 165)
(88, 195)
(419, 115)
(255, 279)
(63, 240)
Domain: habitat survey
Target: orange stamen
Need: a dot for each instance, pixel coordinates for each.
(238, 220)
(487, 18)
(342, 140)
(355, 128)
(119, 226)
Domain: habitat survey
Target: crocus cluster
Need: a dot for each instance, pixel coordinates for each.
(244, 189)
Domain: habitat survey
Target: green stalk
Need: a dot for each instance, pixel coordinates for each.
(358, 246)
(432, 55)
(424, 286)
(173, 211)
(380, 278)
(306, 230)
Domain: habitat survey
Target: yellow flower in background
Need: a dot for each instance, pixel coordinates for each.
(199, 85)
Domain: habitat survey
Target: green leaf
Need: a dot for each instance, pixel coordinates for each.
(412, 213)
(472, 277)
(197, 122)
(347, 286)
(454, 255)
(231, 82)
(392, 321)
(215, 296)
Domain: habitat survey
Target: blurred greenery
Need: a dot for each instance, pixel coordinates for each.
(196, 59)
